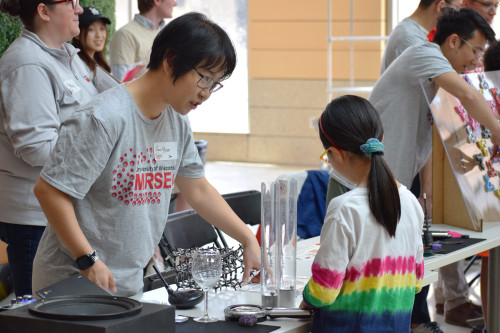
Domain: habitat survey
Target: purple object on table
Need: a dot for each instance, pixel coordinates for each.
(436, 246)
(247, 320)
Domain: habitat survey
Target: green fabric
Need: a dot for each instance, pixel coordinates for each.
(334, 190)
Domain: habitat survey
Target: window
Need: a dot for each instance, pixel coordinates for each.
(226, 110)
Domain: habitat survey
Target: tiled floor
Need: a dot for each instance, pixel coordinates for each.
(228, 177)
(474, 296)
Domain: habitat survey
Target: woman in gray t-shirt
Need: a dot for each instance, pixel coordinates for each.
(42, 82)
(107, 186)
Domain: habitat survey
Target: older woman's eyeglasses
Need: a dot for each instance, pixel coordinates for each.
(74, 3)
(207, 82)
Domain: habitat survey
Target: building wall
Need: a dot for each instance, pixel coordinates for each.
(287, 65)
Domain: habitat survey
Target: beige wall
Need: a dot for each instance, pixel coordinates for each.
(287, 64)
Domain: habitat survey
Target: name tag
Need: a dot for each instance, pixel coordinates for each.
(165, 151)
(72, 86)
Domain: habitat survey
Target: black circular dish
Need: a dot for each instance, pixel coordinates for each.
(85, 307)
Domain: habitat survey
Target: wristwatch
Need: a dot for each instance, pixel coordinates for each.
(87, 260)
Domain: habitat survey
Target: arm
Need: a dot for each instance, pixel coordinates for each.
(419, 260)
(122, 50)
(205, 200)
(330, 264)
(60, 213)
(472, 100)
(32, 124)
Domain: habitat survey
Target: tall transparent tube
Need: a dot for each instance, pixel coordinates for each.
(269, 270)
(287, 234)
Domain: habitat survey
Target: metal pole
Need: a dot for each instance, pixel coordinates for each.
(351, 39)
(351, 44)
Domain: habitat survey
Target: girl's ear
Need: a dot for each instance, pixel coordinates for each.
(339, 153)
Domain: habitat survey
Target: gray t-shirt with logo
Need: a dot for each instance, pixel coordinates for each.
(118, 167)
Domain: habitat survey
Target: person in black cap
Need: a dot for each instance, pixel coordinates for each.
(92, 39)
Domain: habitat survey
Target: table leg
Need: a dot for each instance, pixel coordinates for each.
(493, 290)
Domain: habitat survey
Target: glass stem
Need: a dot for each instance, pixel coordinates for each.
(206, 304)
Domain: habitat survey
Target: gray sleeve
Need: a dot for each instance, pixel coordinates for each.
(407, 33)
(119, 71)
(190, 165)
(31, 120)
(428, 62)
(80, 155)
(395, 49)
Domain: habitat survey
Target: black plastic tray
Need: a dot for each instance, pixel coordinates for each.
(85, 307)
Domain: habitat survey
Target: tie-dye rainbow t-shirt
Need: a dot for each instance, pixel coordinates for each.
(362, 279)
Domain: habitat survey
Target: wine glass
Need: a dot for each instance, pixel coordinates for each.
(206, 270)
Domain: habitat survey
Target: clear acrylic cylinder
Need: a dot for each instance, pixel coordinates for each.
(269, 270)
(287, 245)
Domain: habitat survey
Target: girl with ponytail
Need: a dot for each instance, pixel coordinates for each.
(370, 262)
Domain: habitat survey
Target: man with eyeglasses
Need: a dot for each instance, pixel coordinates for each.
(460, 39)
(451, 284)
(415, 30)
(106, 188)
(487, 8)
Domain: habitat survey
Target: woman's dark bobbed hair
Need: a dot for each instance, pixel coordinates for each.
(190, 41)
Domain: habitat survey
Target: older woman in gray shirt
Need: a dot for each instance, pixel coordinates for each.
(42, 82)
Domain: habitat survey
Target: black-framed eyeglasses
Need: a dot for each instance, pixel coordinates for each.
(458, 7)
(487, 5)
(478, 53)
(207, 82)
(74, 3)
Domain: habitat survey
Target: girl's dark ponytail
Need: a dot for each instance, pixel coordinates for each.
(349, 122)
(383, 194)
